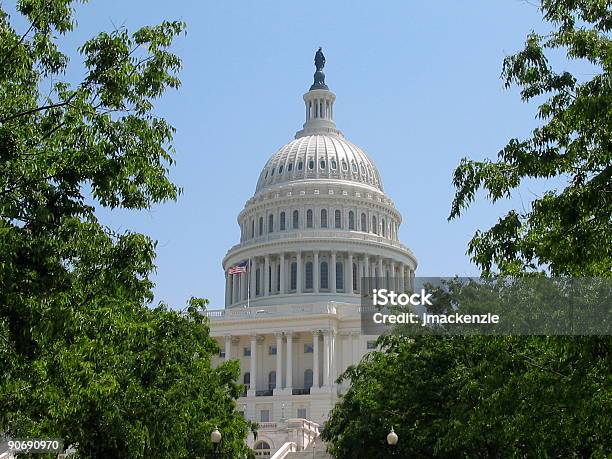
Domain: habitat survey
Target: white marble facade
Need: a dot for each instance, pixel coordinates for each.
(318, 223)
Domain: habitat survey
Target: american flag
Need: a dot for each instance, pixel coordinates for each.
(238, 268)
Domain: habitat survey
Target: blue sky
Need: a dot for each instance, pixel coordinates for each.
(417, 85)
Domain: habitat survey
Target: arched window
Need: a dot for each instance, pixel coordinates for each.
(262, 449)
(260, 226)
(364, 223)
(308, 378)
(322, 164)
(257, 281)
(338, 219)
(300, 166)
(282, 221)
(354, 167)
(311, 164)
(293, 283)
(323, 218)
(351, 220)
(334, 165)
(296, 219)
(278, 278)
(309, 218)
(374, 226)
(324, 276)
(280, 169)
(272, 380)
(383, 227)
(246, 379)
(290, 167)
(339, 275)
(270, 223)
(309, 275)
(355, 280)
(252, 228)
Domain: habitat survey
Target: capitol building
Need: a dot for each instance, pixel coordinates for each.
(318, 222)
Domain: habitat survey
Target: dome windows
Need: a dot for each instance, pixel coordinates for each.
(354, 167)
(280, 169)
(282, 221)
(323, 218)
(344, 166)
(300, 166)
(311, 164)
(351, 220)
(272, 174)
(290, 167)
(309, 218)
(322, 164)
(334, 164)
(338, 219)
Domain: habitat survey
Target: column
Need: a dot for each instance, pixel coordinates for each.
(228, 289)
(266, 275)
(349, 287)
(244, 277)
(253, 385)
(368, 283)
(400, 275)
(228, 347)
(394, 285)
(298, 260)
(380, 282)
(282, 273)
(332, 358)
(274, 266)
(253, 268)
(332, 269)
(359, 273)
(326, 358)
(279, 360)
(316, 278)
(289, 379)
(315, 359)
(235, 297)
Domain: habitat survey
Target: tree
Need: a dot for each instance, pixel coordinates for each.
(476, 396)
(513, 396)
(567, 231)
(84, 357)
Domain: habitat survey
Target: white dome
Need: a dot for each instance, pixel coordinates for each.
(319, 157)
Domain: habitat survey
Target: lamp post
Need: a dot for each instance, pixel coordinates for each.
(215, 438)
(392, 440)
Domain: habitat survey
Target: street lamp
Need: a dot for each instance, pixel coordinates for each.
(215, 438)
(392, 438)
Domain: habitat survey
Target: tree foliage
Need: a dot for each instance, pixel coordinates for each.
(83, 357)
(567, 231)
(477, 396)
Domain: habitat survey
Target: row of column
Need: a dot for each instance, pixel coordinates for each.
(329, 362)
(240, 286)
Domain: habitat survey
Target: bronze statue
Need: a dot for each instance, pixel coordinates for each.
(319, 76)
(319, 60)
